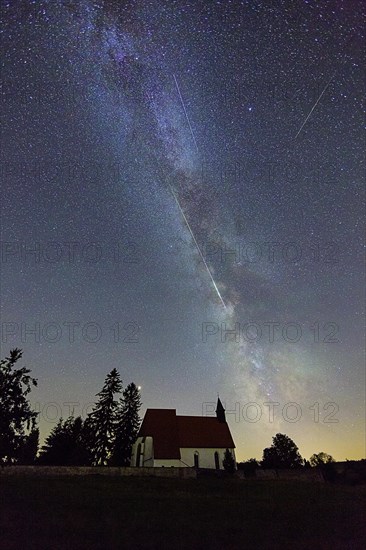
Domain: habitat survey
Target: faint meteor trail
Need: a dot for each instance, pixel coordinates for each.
(315, 104)
(185, 112)
(181, 209)
(197, 245)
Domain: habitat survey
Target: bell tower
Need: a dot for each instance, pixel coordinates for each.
(220, 411)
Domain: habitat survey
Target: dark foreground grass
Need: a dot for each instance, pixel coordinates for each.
(108, 513)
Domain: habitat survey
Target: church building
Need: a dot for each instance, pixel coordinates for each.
(167, 439)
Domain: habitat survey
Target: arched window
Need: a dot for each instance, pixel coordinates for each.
(196, 460)
(217, 460)
(138, 455)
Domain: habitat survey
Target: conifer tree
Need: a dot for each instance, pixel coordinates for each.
(102, 420)
(127, 425)
(65, 446)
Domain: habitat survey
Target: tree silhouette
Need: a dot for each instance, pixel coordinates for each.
(320, 459)
(17, 420)
(101, 421)
(283, 453)
(326, 464)
(229, 462)
(28, 451)
(52, 452)
(66, 445)
(127, 425)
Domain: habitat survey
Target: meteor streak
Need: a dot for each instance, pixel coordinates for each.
(315, 104)
(185, 112)
(197, 246)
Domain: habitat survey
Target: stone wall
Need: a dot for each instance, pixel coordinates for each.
(96, 471)
(305, 474)
(311, 474)
(266, 474)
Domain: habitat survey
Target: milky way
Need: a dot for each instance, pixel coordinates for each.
(249, 115)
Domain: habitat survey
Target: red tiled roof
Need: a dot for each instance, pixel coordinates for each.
(171, 432)
(161, 424)
(204, 432)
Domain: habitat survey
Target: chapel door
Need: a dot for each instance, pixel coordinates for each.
(217, 461)
(196, 460)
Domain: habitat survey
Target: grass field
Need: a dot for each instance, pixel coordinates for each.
(107, 513)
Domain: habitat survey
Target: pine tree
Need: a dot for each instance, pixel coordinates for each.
(17, 420)
(65, 446)
(53, 450)
(127, 425)
(102, 420)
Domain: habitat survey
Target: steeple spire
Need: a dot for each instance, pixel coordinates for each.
(220, 411)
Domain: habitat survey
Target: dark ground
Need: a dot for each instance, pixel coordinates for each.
(107, 513)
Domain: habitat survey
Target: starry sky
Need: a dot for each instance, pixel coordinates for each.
(182, 199)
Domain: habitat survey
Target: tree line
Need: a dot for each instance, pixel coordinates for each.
(284, 454)
(107, 434)
(105, 437)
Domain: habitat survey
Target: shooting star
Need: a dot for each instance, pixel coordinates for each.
(197, 246)
(315, 104)
(185, 112)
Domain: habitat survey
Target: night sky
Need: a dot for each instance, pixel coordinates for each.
(175, 169)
